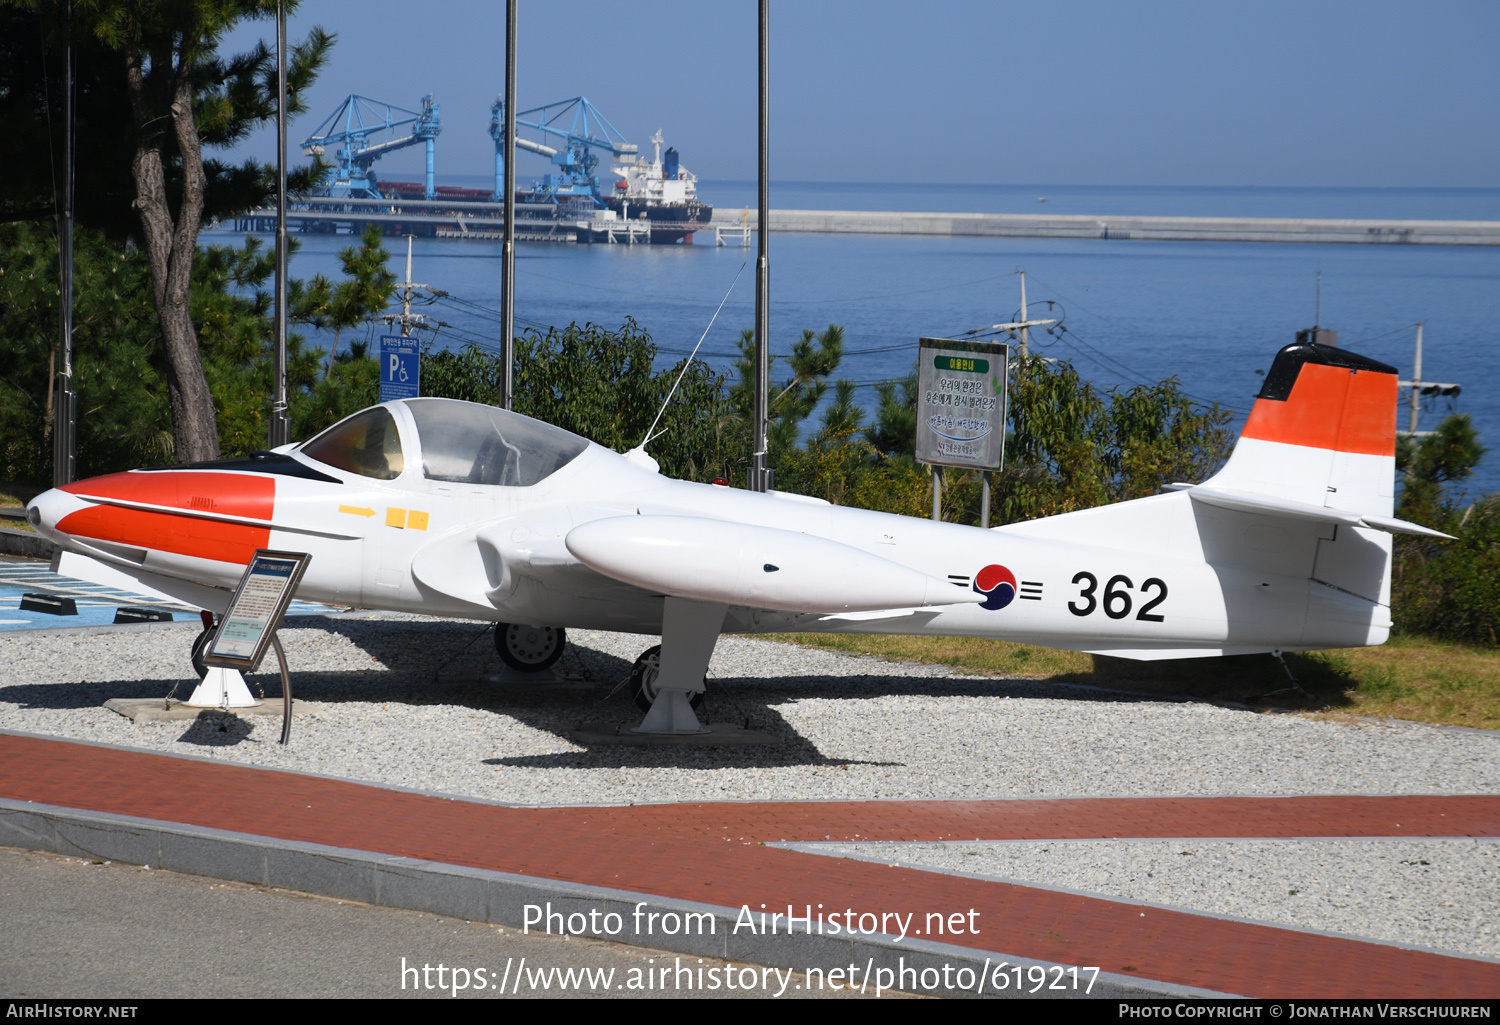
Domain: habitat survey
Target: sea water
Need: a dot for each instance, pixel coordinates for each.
(1210, 314)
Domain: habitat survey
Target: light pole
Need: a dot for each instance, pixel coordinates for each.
(508, 247)
(65, 405)
(760, 472)
(280, 431)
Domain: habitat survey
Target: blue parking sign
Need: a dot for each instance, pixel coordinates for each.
(400, 368)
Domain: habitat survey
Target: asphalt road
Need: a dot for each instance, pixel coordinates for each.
(76, 929)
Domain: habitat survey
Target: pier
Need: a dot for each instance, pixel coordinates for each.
(1166, 229)
(535, 222)
(545, 223)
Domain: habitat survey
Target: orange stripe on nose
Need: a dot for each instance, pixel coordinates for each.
(163, 532)
(1334, 408)
(232, 494)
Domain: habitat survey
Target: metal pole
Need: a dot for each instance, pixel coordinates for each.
(1415, 401)
(508, 247)
(937, 493)
(760, 470)
(65, 408)
(1025, 332)
(984, 501)
(280, 432)
(286, 691)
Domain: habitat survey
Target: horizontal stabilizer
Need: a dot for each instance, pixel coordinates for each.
(756, 567)
(1163, 654)
(1271, 505)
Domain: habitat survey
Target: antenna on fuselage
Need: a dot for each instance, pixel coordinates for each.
(650, 437)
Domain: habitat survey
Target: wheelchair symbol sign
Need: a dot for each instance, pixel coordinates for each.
(400, 368)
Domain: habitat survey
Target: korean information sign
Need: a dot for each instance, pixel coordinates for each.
(256, 609)
(961, 403)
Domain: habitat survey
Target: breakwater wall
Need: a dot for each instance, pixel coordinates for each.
(1179, 229)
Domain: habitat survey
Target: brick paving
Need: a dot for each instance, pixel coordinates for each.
(715, 853)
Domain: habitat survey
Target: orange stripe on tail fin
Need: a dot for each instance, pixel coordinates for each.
(1321, 397)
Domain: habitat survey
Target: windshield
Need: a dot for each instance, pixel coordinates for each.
(470, 443)
(367, 444)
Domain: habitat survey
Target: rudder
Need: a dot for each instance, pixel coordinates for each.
(1322, 432)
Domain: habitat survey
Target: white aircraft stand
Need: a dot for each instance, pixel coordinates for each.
(222, 688)
(689, 631)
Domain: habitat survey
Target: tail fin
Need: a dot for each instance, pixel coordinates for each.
(1322, 432)
(1319, 449)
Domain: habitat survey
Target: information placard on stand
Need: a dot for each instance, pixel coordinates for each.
(961, 403)
(255, 611)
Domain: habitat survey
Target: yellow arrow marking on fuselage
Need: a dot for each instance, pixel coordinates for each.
(357, 510)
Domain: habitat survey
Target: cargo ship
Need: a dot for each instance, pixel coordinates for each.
(660, 191)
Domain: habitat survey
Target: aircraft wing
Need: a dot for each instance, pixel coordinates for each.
(760, 567)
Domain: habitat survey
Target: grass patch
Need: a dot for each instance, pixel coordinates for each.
(15, 495)
(1406, 678)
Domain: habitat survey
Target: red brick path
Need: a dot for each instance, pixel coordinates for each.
(713, 853)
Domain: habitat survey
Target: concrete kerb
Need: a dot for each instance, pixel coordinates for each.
(25, 545)
(501, 898)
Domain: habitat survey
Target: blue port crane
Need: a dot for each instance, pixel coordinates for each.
(580, 129)
(354, 132)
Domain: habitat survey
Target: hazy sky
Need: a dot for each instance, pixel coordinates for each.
(1305, 93)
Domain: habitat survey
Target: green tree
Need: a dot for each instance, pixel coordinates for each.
(1068, 446)
(181, 96)
(366, 290)
(33, 119)
(124, 418)
(813, 359)
(1446, 588)
(1431, 465)
(602, 385)
(125, 415)
(894, 432)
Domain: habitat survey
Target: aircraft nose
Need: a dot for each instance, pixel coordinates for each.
(46, 510)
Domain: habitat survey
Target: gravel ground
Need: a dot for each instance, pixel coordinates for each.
(405, 702)
(1439, 894)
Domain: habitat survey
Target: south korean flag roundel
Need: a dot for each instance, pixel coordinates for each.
(997, 584)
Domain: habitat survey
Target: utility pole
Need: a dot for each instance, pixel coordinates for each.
(508, 246)
(1419, 388)
(406, 318)
(760, 472)
(1025, 333)
(280, 429)
(1414, 396)
(1015, 328)
(1020, 329)
(65, 406)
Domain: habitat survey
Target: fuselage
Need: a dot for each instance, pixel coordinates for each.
(1159, 577)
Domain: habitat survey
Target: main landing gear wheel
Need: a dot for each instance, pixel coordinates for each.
(200, 645)
(643, 680)
(529, 649)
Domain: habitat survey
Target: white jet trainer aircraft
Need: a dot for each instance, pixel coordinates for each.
(458, 509)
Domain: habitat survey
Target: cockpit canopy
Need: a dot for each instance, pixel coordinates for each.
(367, 444)
(470, 443)
(461, 442)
